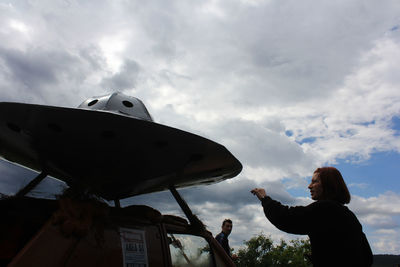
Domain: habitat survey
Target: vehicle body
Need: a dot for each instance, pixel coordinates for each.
(32, 234)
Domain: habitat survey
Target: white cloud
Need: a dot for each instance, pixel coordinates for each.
(355, 120)
(385, 242)
(19, 26)
(243, 73)
(381, 215)
(387, 203)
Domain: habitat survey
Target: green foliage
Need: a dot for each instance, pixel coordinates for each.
(260, 251)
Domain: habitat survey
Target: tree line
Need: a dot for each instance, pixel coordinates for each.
(261, 251)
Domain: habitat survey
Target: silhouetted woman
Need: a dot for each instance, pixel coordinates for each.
(335, 233)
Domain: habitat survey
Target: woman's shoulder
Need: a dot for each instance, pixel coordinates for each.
(327, 205)
(327, 202)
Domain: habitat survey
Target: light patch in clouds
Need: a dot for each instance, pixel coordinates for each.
(113, 47)
(358, 185)
(214, 8)
(19, 26)
(255, 3)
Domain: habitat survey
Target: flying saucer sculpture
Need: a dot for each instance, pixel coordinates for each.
(111, 146)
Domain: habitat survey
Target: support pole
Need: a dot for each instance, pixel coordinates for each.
(32, 184)
(194, 221)
(117, 204)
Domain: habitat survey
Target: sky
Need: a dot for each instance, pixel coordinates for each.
(287, 86)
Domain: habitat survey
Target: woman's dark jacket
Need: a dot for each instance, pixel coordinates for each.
(335, 233)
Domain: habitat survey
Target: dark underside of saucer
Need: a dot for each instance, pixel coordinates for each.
(114, 156)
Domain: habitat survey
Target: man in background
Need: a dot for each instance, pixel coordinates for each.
(222, 237)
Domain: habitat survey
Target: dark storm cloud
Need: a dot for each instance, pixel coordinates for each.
(47, 76)
(126, 78)
(35, 68)
(236, 192)
(233, 194)
(93, 56)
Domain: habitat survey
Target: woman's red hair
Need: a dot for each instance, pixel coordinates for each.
(333, 185)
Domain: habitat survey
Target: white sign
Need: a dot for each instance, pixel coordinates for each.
(134, 250)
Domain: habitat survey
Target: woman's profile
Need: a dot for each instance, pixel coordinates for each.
(335, 233)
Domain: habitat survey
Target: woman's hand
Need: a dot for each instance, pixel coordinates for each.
(259, 192)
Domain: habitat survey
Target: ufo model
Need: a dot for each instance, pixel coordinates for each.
(110, 146)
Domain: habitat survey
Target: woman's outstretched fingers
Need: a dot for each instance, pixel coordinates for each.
(259, 192)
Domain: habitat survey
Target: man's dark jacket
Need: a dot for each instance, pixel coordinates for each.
(223, 240)
(335, 233)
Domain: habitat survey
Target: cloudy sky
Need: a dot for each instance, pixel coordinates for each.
(286, 86)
